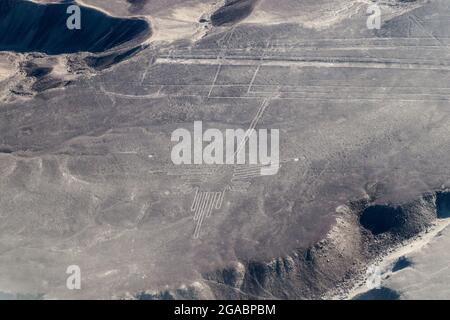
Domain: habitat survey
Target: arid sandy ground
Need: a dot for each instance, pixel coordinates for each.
(423, 276)
(86, 176)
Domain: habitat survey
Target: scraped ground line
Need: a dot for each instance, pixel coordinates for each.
(259, 66)
(220, 58)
